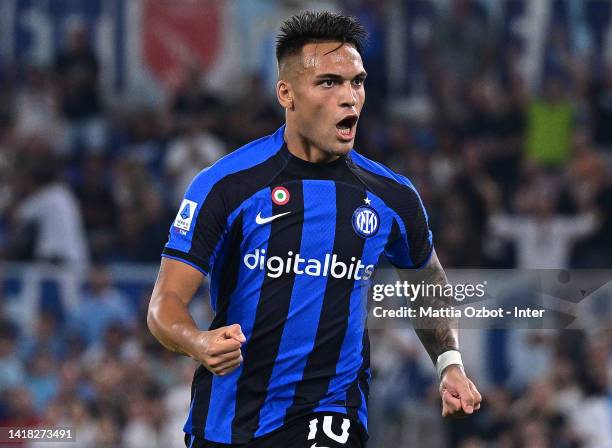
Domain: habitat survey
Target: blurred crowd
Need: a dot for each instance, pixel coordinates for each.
(563, 401)
(512, 176)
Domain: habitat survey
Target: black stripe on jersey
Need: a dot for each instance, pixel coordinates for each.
(394, 234)
(200, 395)
(229, 265)
(272, 310)
(363, 373)
(209, 227)
(321, 363)
(228, 275)
(353, 396)
(406, 203)
(353, 399)
(187, 257)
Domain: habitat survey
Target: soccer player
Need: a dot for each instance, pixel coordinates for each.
(289, 229)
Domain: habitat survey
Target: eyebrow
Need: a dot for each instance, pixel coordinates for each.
(337, 77)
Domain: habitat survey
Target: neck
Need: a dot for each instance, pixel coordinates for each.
(304, 148)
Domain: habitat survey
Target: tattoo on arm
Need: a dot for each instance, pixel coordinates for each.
(437, 334)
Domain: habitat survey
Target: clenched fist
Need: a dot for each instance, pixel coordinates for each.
(459, 395)
(219, 350)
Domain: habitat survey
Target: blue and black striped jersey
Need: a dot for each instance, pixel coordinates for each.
(289, 247)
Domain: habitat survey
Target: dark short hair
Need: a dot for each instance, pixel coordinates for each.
(308, 27)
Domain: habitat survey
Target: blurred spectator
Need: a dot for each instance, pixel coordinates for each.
(176, 402)
(48, 337)
(543, 238)
(466, 206)
(531, 349)
(143, 221)
(77, 69)
(591, 185)
(117, 344)
(494, 128)
(145, 140)
(400, 392)
(72, 415)
(101, 306)
(79, 417)
(51, 211)
(251, 115)
(190, 98)
(107, 431)
(550, 122)
(533, 433)
(11, 367)
(591, 417)
(146, 415)
(600, 99)
(73, 384)
(457, 44)
(36, 110)
(100, 211)
(47, 227)
(497, 421)
(563, 377)
(42, 381)
(192, 151)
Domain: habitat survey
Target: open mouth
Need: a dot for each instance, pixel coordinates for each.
(346, 127)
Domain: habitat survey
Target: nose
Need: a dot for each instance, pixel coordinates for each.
(348, 96)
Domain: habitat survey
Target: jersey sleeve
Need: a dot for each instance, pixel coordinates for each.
(410, 243)
(199, 226)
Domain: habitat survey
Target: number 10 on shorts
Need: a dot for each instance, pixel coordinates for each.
(327, 429)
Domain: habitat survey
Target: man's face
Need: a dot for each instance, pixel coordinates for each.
(327, 87)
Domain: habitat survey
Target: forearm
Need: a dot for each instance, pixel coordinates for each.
(439, 339)
(169, 321)
(437, 334)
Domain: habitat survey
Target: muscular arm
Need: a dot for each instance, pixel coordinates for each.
(168, 317)
(170, 322)
(437, 335)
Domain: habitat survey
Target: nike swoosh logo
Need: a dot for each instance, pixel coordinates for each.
(314, 445)
(260, 220)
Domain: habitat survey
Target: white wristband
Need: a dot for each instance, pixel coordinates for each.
(446, 359)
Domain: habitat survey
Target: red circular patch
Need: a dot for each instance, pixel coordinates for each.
(280, 196)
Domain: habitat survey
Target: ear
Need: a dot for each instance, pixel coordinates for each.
(284, 93)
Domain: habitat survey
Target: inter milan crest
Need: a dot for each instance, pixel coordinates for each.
(280, 196)
(365, 220)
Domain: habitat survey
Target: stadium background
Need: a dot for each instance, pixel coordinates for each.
(495, 109)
